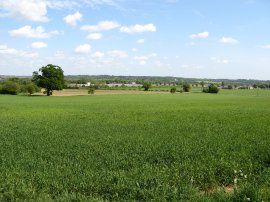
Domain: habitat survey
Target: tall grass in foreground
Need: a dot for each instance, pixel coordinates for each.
(180, 147)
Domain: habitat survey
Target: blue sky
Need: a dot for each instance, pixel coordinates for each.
(187, 38)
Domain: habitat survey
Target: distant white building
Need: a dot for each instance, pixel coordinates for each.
(80, 85)
(133, 84)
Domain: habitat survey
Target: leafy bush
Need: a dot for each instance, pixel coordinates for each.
(10, 87)
(146, 86)
(186, 87)
(173, 90)
(91, 90)
(211, 89)
(32, 88)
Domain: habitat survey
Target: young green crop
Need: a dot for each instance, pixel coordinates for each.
(183, 147)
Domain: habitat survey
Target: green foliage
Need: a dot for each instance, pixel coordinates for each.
(51, 78)
(146, 86)
(10, 87)
(100, 148)
(211, 89)
(186, 87)
(32, 88)
(230, 87)
(91, 90)
(173, 90)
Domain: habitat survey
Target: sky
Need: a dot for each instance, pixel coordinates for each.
(182, 38)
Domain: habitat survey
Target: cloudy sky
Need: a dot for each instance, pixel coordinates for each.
(187, 38)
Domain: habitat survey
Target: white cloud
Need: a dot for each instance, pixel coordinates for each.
(94, 36)
(219, 61)
(33, 10)
(39, 45)
(139, 58)
(142, 59)
(84, 48)
(36, 10)
(118, 54)
(134, 49)
(202, 35)
(29, 55)
(140, 41)
(139, 28)
(266, 46)
(101, 26)
(192, 66)
(228, 40)
(73, 18)
(98, 55)
(142, 62)
(29, 32)
(4, 49)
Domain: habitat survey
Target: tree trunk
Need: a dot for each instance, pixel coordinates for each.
(48, 93)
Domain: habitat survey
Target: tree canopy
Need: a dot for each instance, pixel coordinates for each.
(51, 78)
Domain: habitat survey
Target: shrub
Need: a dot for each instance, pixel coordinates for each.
(11, 88)
(91, 90)
(186, 87)
(211, 89)
(32, 88)
(146, 86)
(173, 90)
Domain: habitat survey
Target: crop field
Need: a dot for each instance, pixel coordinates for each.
(141, 147)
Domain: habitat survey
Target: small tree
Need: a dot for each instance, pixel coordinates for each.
(173, 90)
(202, 84)
(51, 78)
(146, 86)
(211, 89)
(91, 90)
(186, 87)
(32, 88)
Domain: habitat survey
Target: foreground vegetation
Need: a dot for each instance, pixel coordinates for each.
(167, 147)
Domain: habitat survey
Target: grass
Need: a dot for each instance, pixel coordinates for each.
(161, 147)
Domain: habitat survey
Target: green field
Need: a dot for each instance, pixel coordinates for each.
(167, 147)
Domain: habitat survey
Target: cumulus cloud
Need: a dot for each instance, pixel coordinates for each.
(25, 9)
(94, 36)
(140, 41)
(192, 66)
(98, 55)
(138, 28)
(118, 54)
(39, 45)
(73, 18)
(101, 26)
(4, 49)
(29, 32)
(84, 48)
(228, 40)
(142, 60)
(202, 35)
(36, 10)
(219, 61)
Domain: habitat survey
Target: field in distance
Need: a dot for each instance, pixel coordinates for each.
(161, 147)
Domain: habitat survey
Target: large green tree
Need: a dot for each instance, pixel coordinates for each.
(51, 78)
